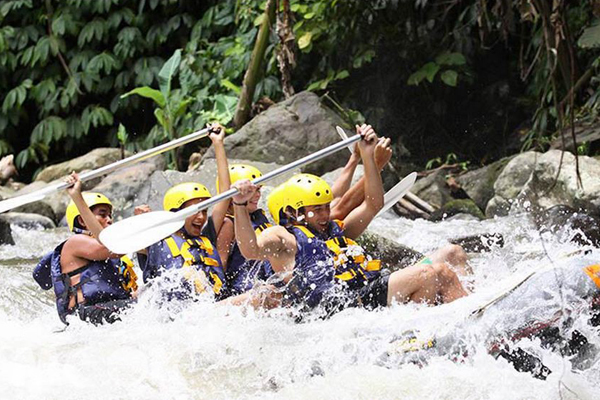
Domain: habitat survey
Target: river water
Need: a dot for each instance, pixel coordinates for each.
(201, 351)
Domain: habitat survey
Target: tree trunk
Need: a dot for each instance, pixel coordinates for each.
(242, 112)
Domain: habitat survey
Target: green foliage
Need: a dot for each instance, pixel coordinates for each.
(450, 64)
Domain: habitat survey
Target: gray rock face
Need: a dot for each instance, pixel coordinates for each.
(94, 159)
(479, 183)
(569, 225)
(124, 186)
(539, 181)
(433, 189)
(7, 168)
(455, 207)
(28, 221)
(5, 232)
(510, 183)
(154, 189)
(286, 132)
(393, 256)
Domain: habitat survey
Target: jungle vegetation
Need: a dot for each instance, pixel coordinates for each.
(478, 79)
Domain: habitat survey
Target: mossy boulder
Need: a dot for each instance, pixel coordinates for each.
(393, 255)
(458, 206)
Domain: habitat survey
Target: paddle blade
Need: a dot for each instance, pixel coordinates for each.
(19, 201)
(397, 192)
(138, 232)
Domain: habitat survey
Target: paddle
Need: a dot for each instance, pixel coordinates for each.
(393, 195)
(138, 232)
(14, 202)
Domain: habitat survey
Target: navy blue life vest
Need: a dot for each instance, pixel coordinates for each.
(197, 257)
(100, 281)
(325, 260)
(242, 273)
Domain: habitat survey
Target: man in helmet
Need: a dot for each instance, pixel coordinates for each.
(322, 263)
(87, 278)
(192, 249)
(239, 272)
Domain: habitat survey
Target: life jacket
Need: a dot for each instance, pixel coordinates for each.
(324, 260)
(197, 257)
(100, 281)
(241, 273)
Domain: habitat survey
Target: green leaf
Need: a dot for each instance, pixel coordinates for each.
(451, 59)
(160, 117)
(590, 38)
(416, 77)
(450, 77)
(309, 15)
(305, 40)
(259, 19)
(343, 74)
(230, 85)
(430, 69)
(148, 93)
(167, 71)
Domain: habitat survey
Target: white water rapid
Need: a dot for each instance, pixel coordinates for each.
(201, 351)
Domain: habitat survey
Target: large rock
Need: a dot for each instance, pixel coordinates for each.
(153, 191)
(569, 224)
(479, 183)
(511, 181)
(288, 131)
(540, 181)
(28, 221)
(584, 133)
(123, 186)
(552, 183)
(7, 168)
(455, 207)
(94, 159)
(393, 256)
(5, 232)
(433, 189)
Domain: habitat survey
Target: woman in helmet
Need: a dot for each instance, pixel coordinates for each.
(87, 278)
(239, 272)
(193, 248)
(323, 264)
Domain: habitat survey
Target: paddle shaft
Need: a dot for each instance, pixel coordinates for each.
(186, 212)
(86, 176)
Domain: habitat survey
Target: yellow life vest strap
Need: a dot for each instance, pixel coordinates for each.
(593, 271)
(129, 274)
(173, 247)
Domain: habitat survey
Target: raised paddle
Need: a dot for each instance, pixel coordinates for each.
(14, 202)
(393, 195)
(138, 232)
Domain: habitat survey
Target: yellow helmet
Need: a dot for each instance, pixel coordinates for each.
(275, 201)
(237, 172)
(179, 194)
(306, 190)
(91, 199)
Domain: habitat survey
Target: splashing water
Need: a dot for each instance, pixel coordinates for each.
(197, 350)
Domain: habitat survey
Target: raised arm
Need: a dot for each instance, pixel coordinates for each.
(217, 136)
(342, 183)
(358, 219)
(355, 196)
(274, 244)
(74, 191)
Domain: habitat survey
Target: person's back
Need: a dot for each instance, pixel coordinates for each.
(87, 278)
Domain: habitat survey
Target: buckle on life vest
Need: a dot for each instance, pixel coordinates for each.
(593, 271)
(129, 276)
